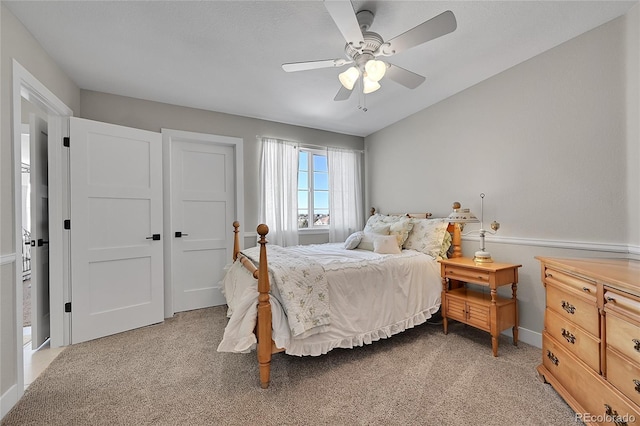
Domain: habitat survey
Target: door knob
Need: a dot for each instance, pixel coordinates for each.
(42, 242)
(154, 237)
(180, 234)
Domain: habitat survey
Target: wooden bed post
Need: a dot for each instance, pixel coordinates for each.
(236, 240)
(264, 312)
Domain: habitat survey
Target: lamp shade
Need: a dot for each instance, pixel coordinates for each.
(349, 77)
(370, 86)
(375, 69)
(462, 216)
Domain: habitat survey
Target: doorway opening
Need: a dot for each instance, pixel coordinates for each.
(26, 235)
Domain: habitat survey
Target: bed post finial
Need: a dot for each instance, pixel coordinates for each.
(372, 211)
(456, 237)
(264, 311)
(236, 240)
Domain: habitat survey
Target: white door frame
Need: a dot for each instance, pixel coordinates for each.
(26, 86)
(168, 135)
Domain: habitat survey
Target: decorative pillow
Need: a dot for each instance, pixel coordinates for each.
(366, 243)
(353, 240)
(427, 236)
(446, 244)
(386, 244)
(401, 229)
(378, 218)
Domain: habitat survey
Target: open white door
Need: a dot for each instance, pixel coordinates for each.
(38, 141)
(116, 225)
(203, 205)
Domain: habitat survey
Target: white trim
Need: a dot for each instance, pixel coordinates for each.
(635, 250)
(5, 259)
(26, 86)
(571, 245)
(8, 400)
(527, 336)
(167, 136)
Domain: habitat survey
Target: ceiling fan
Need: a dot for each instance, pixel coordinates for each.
(364, 47)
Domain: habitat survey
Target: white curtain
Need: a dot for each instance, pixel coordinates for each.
(345, 193)
(279, 191)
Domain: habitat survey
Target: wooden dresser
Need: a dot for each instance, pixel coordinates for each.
(591, 337)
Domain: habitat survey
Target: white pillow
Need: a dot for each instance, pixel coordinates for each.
(369, 235)
(427, 236)
(386, 244)
(353, 240)
(401, 229)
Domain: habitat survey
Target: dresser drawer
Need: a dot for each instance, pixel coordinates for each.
(581, 284)
(574, 308)
(623, 335)
(623, 374)
(580, 343)
(622, 303)
(597, 398)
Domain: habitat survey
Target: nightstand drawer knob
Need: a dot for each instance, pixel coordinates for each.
(568, 307)
(568, 336)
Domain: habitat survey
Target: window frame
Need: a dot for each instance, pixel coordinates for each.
(312, 228)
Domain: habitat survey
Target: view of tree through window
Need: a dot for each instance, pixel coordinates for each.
(313, 189)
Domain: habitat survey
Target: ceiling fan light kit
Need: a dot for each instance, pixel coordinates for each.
(363, 47)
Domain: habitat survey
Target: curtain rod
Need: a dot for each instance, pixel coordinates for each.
(311, 146)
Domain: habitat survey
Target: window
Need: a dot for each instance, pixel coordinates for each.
(313, 189)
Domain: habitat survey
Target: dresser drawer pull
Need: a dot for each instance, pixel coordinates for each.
(586, 289)
(568, 307)
(552, 357)
(610, 299)
(570, 337)
(636, 382)
(636, 345)
(613, 415)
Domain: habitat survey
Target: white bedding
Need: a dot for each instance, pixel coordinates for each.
(371, 297)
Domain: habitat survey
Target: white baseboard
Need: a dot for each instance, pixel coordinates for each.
(8, 400)
(525, 335)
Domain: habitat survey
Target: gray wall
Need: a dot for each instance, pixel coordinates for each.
(17, 42)
(553, 142)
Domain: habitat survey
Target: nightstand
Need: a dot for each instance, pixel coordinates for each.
(488, 312)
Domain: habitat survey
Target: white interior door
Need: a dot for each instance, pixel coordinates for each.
(38, 141)
(203, 204)
(116, 225)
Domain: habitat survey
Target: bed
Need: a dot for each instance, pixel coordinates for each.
(380, 282)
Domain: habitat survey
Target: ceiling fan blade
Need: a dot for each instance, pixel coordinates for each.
(313, 65)
(345, 18)
(428, 30)
(405, 77)
(343, 94)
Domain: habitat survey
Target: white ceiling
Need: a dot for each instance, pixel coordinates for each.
(226, 55)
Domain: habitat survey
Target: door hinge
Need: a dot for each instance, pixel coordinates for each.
(67, 224)
(66, 141)
(67, 307)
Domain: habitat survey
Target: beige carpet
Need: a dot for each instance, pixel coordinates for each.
(171, 374)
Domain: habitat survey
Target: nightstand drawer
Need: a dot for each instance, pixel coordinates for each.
(466, 275)
(623, 374)
(576, 340)
(574, 308)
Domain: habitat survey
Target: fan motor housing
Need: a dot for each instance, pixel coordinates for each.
(372, 41)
